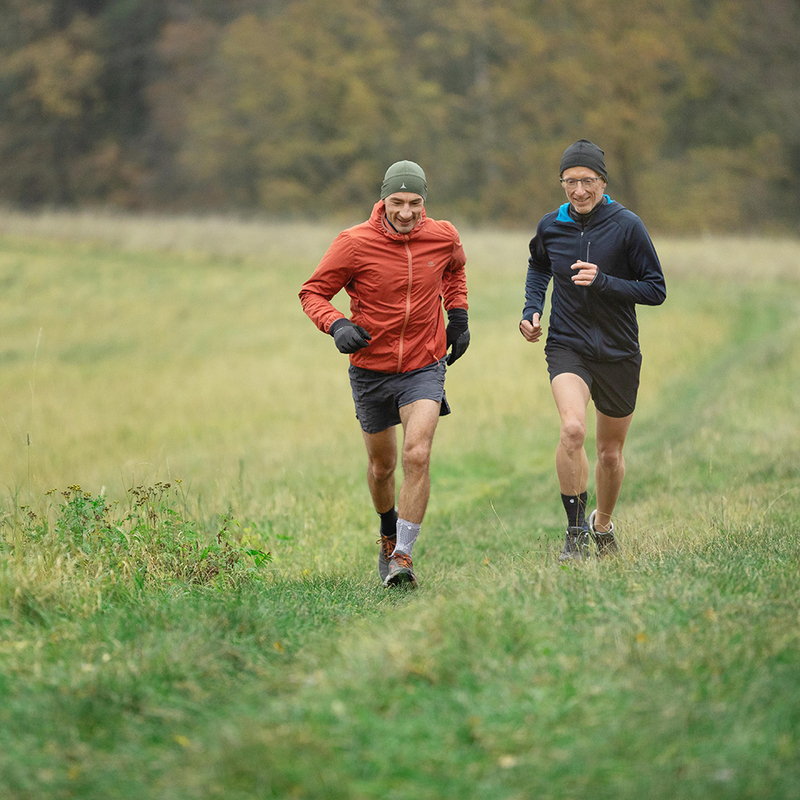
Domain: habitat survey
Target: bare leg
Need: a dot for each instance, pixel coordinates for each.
(572, 398)
(381, 464)
(610, 469)
(419, 425)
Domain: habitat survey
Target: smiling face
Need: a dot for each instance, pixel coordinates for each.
(583, 198)
(403, 210)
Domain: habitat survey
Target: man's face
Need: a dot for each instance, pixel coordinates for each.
(583, 198)
(403, 210)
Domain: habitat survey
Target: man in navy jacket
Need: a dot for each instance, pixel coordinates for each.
(602, 263)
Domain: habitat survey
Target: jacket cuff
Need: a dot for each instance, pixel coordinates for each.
(600, 282)
(337, 323)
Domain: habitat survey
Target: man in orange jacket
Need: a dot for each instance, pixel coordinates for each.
(399, 268)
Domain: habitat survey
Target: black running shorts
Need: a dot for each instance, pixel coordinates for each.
(613, 385)
(379, 396)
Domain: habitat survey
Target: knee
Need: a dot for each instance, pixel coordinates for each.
(573, 434)
(381, 469)
(416, 458)
(610, 457)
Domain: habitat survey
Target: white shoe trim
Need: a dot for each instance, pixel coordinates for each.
(591, 525)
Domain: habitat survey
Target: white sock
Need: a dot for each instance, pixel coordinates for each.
(407, 533)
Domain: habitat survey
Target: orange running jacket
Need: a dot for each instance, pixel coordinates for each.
(396, 283)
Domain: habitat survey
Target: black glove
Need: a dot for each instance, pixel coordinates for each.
(348, 336)
(457, 333)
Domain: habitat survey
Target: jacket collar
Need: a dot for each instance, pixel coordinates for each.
(601, 213)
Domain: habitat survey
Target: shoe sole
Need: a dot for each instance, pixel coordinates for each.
(404, 577)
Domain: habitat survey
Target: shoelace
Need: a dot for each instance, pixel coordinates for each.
(403, 559)
(387, 546)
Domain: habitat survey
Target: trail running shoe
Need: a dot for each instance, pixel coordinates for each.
(576, 545)
(385, 551)
(400, 571)
(604, 540)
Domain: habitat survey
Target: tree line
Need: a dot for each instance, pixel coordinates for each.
(296, 107)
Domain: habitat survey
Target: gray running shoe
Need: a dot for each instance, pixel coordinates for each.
(576, 546)
(385, 551)
(604, 540)
(400, 572)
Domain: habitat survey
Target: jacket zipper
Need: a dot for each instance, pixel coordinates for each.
(597, 336)
(589, 310)
(408, 307)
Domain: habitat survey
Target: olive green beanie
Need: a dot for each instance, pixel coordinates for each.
(404, 176)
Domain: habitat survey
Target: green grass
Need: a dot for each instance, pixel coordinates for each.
(189, 605)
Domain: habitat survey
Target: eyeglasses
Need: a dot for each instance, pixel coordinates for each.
(571, 183)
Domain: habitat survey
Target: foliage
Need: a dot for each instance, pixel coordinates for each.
(298, 107)
(96, 551)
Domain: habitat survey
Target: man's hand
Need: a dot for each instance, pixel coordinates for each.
(586, 273)
(348, 336)
(457, 333)
(531, 330)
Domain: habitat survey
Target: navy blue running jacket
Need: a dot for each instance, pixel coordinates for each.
(597, 321)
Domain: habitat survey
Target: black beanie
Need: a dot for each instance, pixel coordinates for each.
(584, 154)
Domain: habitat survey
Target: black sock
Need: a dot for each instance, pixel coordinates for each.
(575, 506)
(389, 523)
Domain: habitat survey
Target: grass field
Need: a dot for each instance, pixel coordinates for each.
(189, 606)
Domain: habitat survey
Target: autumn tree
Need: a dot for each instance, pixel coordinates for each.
(298, 106)
(72, 75)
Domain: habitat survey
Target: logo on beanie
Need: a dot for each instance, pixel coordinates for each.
(404, 176)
